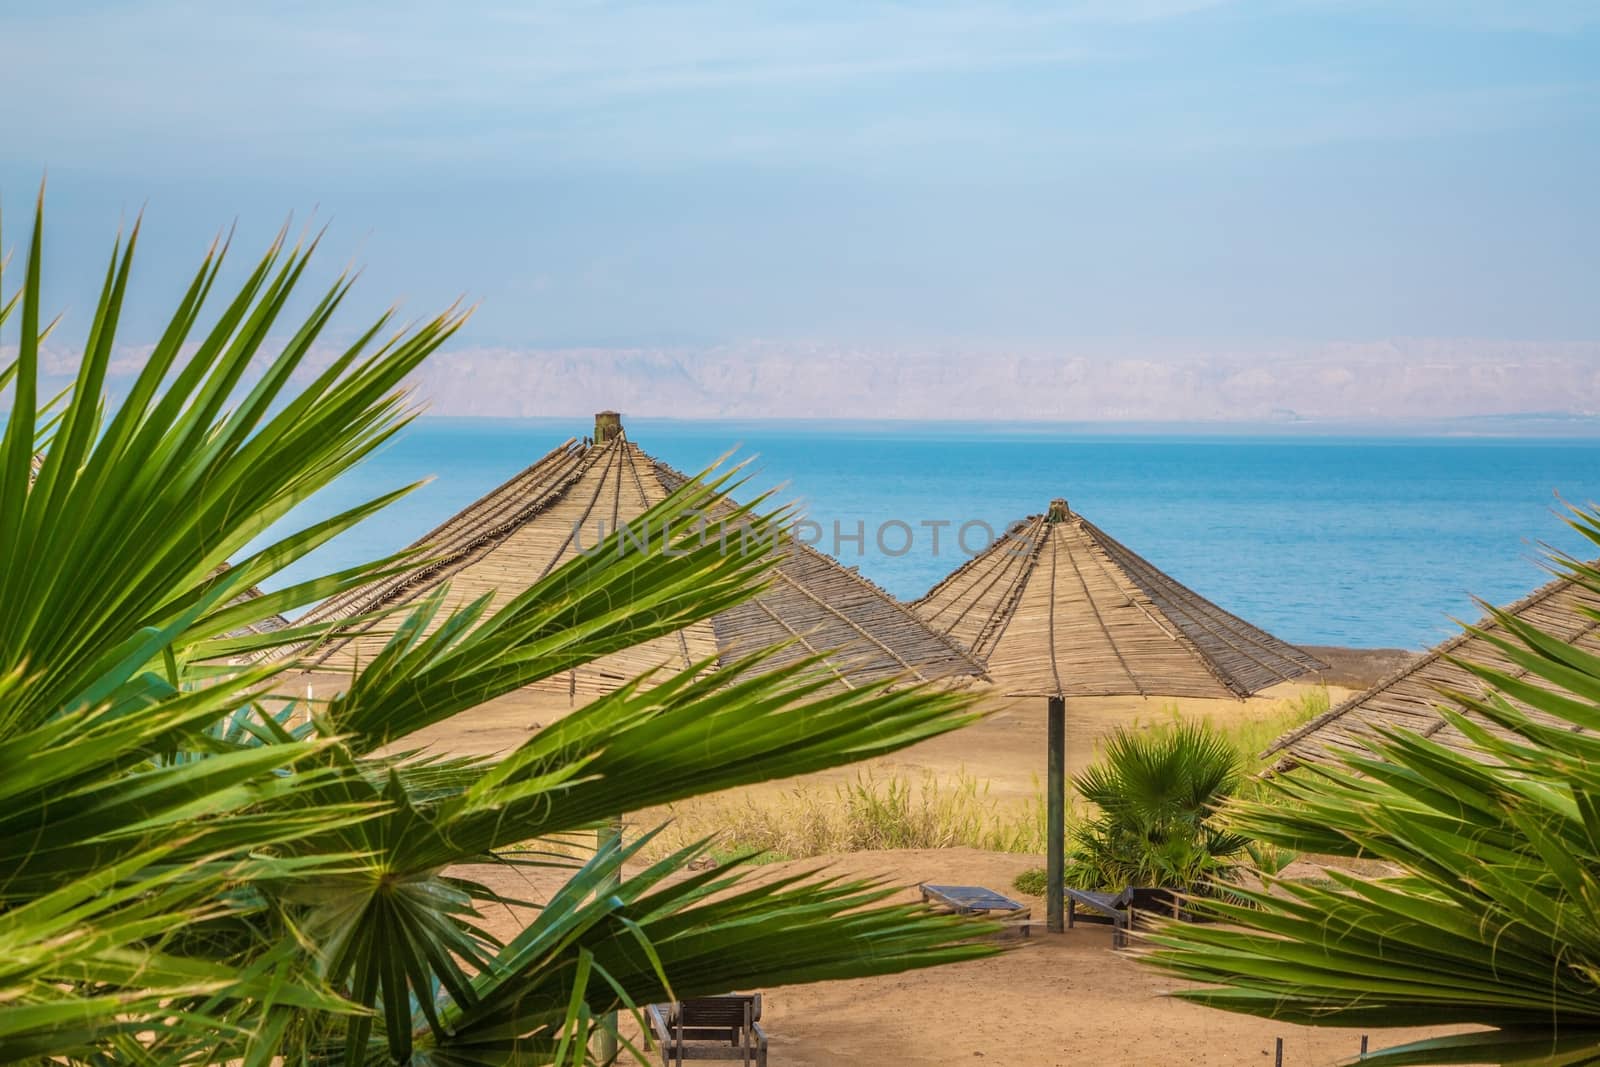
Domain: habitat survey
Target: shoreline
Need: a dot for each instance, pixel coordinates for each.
(1359, 668)
(1546, 427)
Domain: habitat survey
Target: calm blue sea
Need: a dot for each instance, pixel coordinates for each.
(1353, 541)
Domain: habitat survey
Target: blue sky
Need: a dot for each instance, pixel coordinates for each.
(1156, 172)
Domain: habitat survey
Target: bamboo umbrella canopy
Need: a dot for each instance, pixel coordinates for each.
(574, 495)
(547, 514)
(266, 624)
(1059, 609)
(1409, 699)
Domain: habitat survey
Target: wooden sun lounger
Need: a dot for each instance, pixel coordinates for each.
(976, 900)
(1120, 909)
(1109, 905)
(710, 1028)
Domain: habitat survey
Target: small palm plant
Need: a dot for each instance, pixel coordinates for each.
(1494, 918)
(194, 873)
(1156, 793)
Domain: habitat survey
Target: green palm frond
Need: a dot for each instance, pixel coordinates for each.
(425, 674)
(132, 516)
(695, 732)
(1494, 919)
(196, 875)
(1156, 793)
(595, 948)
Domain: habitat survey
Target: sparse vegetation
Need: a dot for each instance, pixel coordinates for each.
(1032, 881)
(1155, 794)
(1251, 736)
(894, 810)
(1245, 738)
(873, 812)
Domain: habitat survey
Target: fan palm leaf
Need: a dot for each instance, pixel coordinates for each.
(197, 875)
(1156, 792)
(1493, 918)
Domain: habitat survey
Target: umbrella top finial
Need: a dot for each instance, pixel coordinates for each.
(607, 424)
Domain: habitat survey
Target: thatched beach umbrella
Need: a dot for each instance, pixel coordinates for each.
(576, 494)
(1410, 698)
(546, 515)
(1058, 609)
(264, 625)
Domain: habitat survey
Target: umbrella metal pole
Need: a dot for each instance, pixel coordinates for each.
(1056, 821)
(607, 1038)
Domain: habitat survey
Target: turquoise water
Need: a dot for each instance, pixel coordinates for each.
(1354, 541)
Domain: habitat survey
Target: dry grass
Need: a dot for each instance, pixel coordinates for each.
(872, 813)
(1251, 736)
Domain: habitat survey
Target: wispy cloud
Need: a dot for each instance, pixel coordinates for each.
(163, 81)
(284, 75)
(707, 169)
(1528, 16)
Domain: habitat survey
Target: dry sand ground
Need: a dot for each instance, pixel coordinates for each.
(1052, 1000)
(1007, 749)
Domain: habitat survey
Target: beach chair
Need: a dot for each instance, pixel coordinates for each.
(1107, 905)
(709, 1028)
(1138, 900)
(1122, 909)
(976, 900)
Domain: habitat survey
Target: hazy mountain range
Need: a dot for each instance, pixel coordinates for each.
(1366, 381)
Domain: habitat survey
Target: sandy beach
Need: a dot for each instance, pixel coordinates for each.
(1053, 999)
